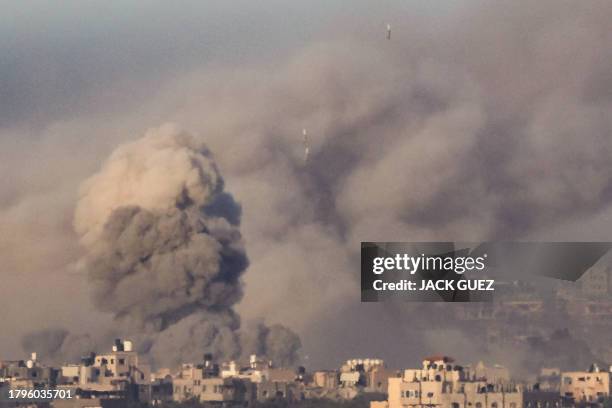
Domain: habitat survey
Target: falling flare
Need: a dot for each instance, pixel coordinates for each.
(306, 145)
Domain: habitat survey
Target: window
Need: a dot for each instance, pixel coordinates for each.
(494, 405)
(455, 405)
(479, 405)
(122, 361)
(112, 361)
(430, 394)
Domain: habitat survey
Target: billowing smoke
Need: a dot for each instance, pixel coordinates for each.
(57, 345)
(276, 342)
(202, 332)
(45, 342)
(164, 251)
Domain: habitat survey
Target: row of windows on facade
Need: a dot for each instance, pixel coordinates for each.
(415, 394)
(568, 380)
(187, 389)
(479, 405)
(112, 361)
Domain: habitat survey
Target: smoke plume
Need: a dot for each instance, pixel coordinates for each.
(164, 250)
(57, 345)
(45, 342)
(276, 342)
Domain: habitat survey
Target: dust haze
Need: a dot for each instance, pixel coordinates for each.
(475, 122)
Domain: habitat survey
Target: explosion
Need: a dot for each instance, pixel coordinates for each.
(164, 253)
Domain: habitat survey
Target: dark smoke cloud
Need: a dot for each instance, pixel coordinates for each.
(155, 269)
(164, 251)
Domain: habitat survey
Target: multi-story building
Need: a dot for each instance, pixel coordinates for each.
(325, 379)
(369, 374)
(117, 375)
(192, 383)
(585, 386)
(27, 374)
(441, 384)
(549, 379)
(236, 385)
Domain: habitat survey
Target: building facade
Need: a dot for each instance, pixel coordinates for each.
(442, 384)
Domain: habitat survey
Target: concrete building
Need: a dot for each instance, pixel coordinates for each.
(493, 374)
(541, 399)
(377, 379)
(585, 386)
(441, 384)
(549, 379)
(222, 391)
(89, 403)
(197, 382)
(369, 375)
(325, 379)
(116, 375)
(269, 382)
(27, 374)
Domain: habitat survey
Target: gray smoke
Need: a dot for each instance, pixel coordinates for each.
(201, 332)
(57, 345)
(155, 269)
(276, 342)
(46, 342)
(164, 250)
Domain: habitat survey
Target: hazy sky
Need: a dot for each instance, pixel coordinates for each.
(478, 120)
